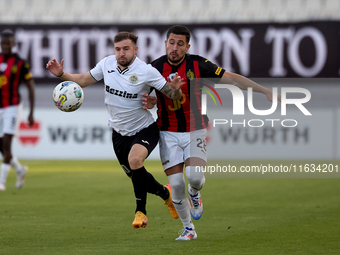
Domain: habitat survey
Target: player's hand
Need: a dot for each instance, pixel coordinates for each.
(148, 101)
(269, 96)
(177, 82)
(30, 120)
(54, 67)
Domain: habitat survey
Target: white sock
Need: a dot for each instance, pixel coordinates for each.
(16, 164)
(4, 172)
(180, 199)
(196, 178)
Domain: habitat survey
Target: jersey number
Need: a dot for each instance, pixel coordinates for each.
(202, 144)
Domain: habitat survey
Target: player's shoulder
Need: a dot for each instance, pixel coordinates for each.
(110, 58)
(194, 57)
(159, 61)
(17, 56)
(139, 62)
(24, 62)
(139, 65)
(108, 62)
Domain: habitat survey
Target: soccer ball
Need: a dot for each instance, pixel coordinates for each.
(68, 96)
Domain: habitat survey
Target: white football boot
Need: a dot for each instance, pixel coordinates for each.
(196, 205)
(21, 177)
(187, 235)
(2, 187)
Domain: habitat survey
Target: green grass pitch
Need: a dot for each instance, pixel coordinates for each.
(87, 207)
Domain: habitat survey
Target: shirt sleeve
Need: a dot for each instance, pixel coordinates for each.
(97, 71)
(209, 69)
(155, 79)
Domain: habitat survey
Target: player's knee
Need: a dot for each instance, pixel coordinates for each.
(7, 157)
(177, 186)
(135, 161)
(195, 177)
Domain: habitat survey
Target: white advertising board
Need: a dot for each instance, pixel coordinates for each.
(83, 134)
(294, 136)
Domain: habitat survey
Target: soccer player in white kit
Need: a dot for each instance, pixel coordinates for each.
(135, 133)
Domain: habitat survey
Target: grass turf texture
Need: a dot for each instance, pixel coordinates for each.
(87, 207)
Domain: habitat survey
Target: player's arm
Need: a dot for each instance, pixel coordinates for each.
(31, 97)
(172, 89)
(57, 70)
(26, 75)
(245, 83)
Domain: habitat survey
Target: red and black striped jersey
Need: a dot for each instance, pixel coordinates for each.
(184, 115)
(13, 70)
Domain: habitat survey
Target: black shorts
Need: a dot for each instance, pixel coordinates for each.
(148, 137)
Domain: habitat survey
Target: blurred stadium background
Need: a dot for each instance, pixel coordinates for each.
(278, 43)
(84, 207)
(165, 11)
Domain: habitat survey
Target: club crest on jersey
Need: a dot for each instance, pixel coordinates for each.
(133, 79)
(3, 67)
(14, 69)
(190, 75)
(172, 76)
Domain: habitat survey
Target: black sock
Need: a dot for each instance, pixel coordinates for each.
(154, 187)
(140, 183)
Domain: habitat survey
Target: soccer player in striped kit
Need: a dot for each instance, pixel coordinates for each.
(182, 127)
(13, 71)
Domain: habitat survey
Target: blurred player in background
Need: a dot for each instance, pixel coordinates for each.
(13, 70)
(135, 133)
(182, 131)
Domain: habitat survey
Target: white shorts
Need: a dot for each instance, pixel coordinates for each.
(175, 148)
(9, 118)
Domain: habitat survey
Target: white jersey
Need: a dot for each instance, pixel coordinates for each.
(124, 90)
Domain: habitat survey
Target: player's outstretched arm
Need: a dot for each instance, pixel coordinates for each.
(245, 83)
(57, 70)
(172, 88)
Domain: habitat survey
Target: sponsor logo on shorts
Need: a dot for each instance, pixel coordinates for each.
(126, 170)
(177, 203)
(165, 162)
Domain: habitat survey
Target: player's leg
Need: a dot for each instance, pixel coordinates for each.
(148, 137)
(173, 161)
(195, 160)
(20, 170)
(5, 165)
(196, 179)
(122, 147)
(136, 157)
(180, 201)
(3, 174)
(9, 125)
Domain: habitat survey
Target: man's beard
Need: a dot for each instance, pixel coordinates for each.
(174, 61)
(128, 62)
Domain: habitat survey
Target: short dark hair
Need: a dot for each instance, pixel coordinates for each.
(179, 30)
(7, 33)
(124, 36)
